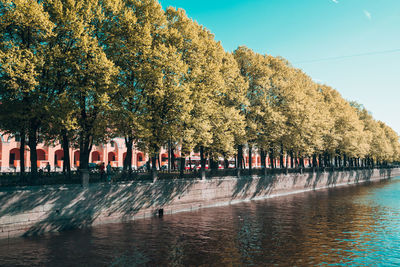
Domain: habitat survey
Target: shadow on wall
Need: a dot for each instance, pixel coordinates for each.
(74, 207)
(251, 186)
(334, 177)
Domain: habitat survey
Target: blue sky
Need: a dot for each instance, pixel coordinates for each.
(304, 30)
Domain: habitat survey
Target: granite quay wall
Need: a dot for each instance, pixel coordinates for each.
(36, 210)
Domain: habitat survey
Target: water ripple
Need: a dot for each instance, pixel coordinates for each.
(354, 226)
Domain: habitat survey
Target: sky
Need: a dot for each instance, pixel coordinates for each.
(351, 45)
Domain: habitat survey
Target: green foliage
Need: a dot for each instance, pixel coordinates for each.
(92, 69)
(215, 87)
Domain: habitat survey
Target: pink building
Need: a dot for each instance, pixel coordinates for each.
(113, 152)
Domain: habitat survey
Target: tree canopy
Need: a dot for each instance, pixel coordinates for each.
(81, 72)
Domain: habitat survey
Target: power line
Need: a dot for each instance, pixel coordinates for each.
(349, 56)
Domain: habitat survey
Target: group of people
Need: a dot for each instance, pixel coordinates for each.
(46, 169)
(103, 170)
(108, 169)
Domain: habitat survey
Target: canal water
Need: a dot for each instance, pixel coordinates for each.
(348, 226)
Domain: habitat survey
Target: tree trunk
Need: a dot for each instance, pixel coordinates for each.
(154, 172)
(262, 155)
(22, 152)
(32, 142)
(314, 161)
(291, 159)
(183, 159)
(281, 157)
(202, 163)
(226, 162)
(169, 156)
(213, 164)
(66, 161)
(320, 161)
(84, 150)
(271, 158)
(158, 161)
(240, 157)
(173, 166)
(85, 146)
(128, 157)
(250, 158)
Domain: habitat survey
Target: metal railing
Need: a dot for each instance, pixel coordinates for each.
(14, 179)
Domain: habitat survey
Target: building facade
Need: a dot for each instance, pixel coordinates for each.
(113, 152)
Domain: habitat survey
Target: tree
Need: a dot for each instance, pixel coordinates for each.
(227, 119)
(204, 57)
(167, 98)
(127, 39)
(24, 32)
(152, 100)
(348, 129)
(86, 76)
(263, 121)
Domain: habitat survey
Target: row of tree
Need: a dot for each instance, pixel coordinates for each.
(80, 72)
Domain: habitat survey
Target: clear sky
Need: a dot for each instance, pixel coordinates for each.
(308, 32)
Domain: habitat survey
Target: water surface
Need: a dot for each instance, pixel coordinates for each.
(347, 226)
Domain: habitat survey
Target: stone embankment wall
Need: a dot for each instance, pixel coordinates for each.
(36, 210)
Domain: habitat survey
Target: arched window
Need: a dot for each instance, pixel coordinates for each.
(76, 158)
(14, 155)
(95, 156)
(58, 157)
(41, 154)
(112, 156)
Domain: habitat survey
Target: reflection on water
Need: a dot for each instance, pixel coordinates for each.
(358, 225)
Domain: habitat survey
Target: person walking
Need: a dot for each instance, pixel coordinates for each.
(109, 169)
(48, 167)
(101, 171)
